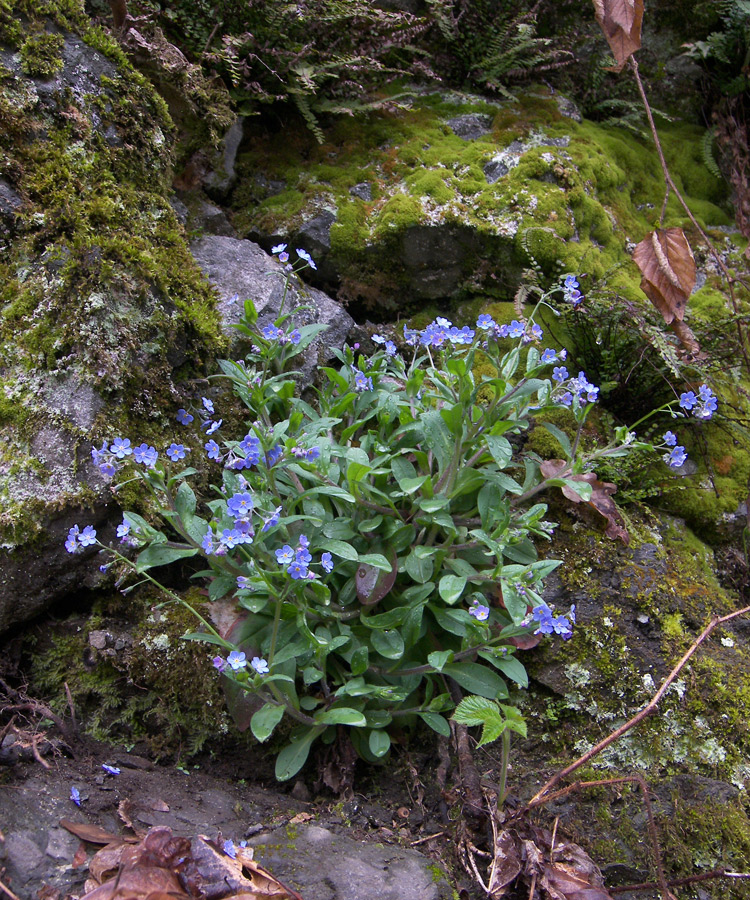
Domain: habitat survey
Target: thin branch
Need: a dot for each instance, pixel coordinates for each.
(640, 716)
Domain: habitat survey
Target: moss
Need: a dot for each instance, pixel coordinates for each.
(41, 55)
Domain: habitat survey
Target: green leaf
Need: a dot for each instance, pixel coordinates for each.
(436, 722)
(292, 757)
(265, 720)
(221, 586)
(184, 501)
(342, 549)
(561, 438)
(438, 658)
(438, 438)
(360, 661)
(342, 715)
(411, 485)
(451, 588)
(508, 665)
(480, 711)
(377, 560)
(379, 742)
(420, 570)
(500, 448)
(402, 468)
(477, 678)
(161, 555)
(388, 643)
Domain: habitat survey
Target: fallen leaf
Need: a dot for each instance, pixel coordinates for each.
(137, 883)
(93, 834)
(80, 856)
(621, 21)
(301, 817)
(506, 865)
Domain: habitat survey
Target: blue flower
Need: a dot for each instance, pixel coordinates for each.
(326, 560)
(123, 530)
(212, 449)
(295, 337)
(411, 336)
(362, 382)
(240, 506)
(243, 583)
(297, 570)
(570, 282)
(208, 542)
(390, 349)
(87, 537)
(279, 248)
(549, 356)
(304, 541)
(303, 556)
(274, 455)
(566, 399)
(229, 848)
(480, 613)
(272, 520)
(110, 770)
(303, 254)
(285, 555)
(75, 795)
(176, 452)
(145, 455)
(108, 468)
(485, 321)
(212, 427)
(237, 660)
(676, 457)
(708, 404)
(184, 417)
(219, 663)
(260, 665)
(120, 448)
(378, 339)
(670, 439)
(515, 329)
(207, 405)
(536, 331)
(688, 400)
(271, 332)
(250, 445)
(559, 373)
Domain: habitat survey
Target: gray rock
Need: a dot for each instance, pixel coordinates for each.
(435, 259)
(315, 234)
(352, 871)
(568, 108)
(268, 186)
(10, 201)
(363, 191)
(240, 270)
(502, 162)
(219, 183)
(470, 126)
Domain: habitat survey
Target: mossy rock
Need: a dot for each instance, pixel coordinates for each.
(443, 217)
(102, 308)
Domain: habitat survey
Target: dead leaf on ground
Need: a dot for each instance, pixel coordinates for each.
(600, 500)
(621, 21)
(301, 817)
(93, 834)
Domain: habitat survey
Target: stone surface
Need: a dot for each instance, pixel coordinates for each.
(321, 862)
(219, 182)
(240, 270)
(470, 126)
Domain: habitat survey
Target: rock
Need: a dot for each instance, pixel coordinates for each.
(470, 126)
(10, 202)
(218, 183)
(363, 191)
(315, 234)
(240, 270)
(352, 871)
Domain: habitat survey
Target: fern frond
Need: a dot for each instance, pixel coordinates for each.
(707, 144)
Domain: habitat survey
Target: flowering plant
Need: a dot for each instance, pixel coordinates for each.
(380, 545)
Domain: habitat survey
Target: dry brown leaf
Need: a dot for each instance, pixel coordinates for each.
(621, 21)
(137, 883)
(506, 866)
(80, 856)
(600, 500)
(301, 817)
(93, 834)
(668, 271)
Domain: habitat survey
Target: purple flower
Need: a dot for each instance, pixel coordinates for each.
(260, 665)
(176, 452)
(229, 848)
(676, 457)
(272, 520)
(243, 583)
(110, 770)
(240, 506)
(237, 660)
(480, 613)
(108, 468)
(75, 795)
(303, 254)
(145, 455)
(326, 560)
(184, 417)
(297, 570)
(120, 448)
(219, 663)
(362, 382)
(207, 405)
(285, 555)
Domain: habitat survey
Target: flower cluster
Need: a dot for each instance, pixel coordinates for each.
(438, 333)
(580, 388)
(675, 456)
(280, 251)
(570, 291)
(703, 406)
(237, 661)
(297, 560)
(78, 539)
(274, 333)
(549, 623)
